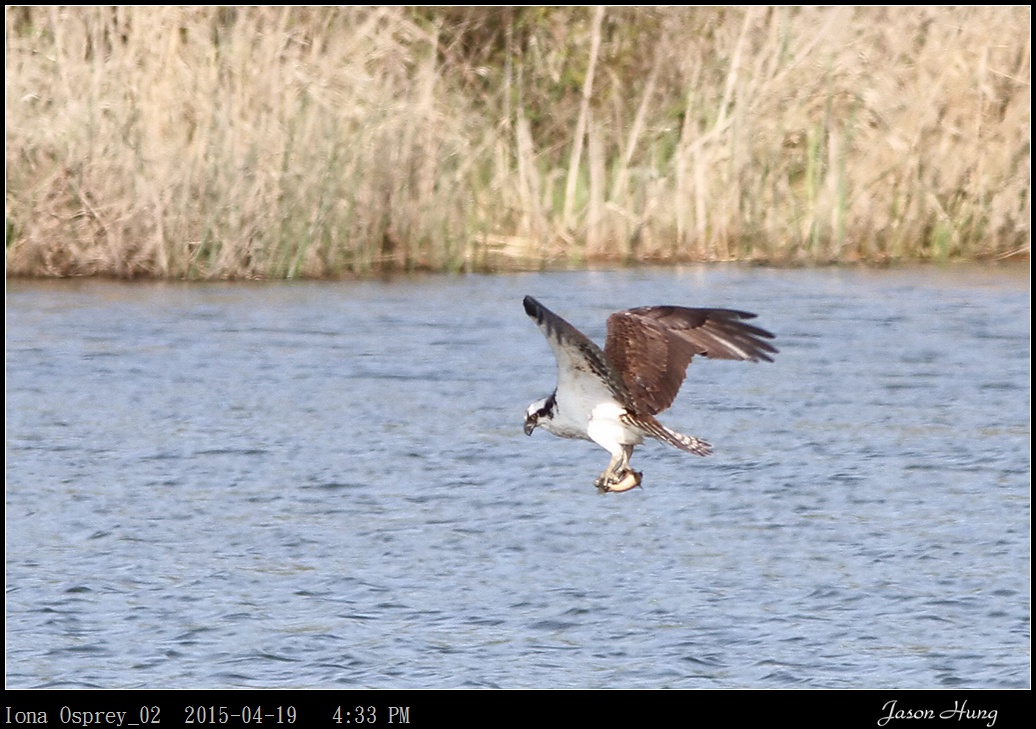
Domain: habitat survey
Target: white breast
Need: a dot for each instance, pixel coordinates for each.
(607, 430)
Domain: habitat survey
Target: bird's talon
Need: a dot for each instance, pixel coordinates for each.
(618, 482)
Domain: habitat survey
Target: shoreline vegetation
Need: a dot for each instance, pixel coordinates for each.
(264, 143)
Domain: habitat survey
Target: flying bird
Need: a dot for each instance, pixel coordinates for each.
(611, 397)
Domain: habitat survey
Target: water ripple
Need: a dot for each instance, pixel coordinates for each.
(326, 485)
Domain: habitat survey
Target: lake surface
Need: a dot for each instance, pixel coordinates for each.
(327, 485)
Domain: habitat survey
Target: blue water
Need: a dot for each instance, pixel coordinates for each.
(327, 485)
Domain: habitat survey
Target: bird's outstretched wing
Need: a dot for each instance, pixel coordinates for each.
(577, 356)
(652, 346)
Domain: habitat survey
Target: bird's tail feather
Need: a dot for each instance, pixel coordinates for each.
(677, 440)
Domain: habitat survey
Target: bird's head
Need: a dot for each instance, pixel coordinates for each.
(542, 409)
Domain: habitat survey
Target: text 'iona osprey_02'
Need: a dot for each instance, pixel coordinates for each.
(612, 396)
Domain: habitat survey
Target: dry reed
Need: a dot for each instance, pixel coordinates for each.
(314, 142)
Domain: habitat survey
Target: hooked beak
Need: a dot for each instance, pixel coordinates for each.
(530, 425)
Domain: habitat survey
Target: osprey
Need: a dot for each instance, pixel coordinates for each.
(611, 397)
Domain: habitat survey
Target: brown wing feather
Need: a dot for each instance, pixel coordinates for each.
(652, 346)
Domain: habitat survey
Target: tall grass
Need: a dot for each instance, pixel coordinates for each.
(288, 142)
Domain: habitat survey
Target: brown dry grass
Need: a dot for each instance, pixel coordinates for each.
(285, 142)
